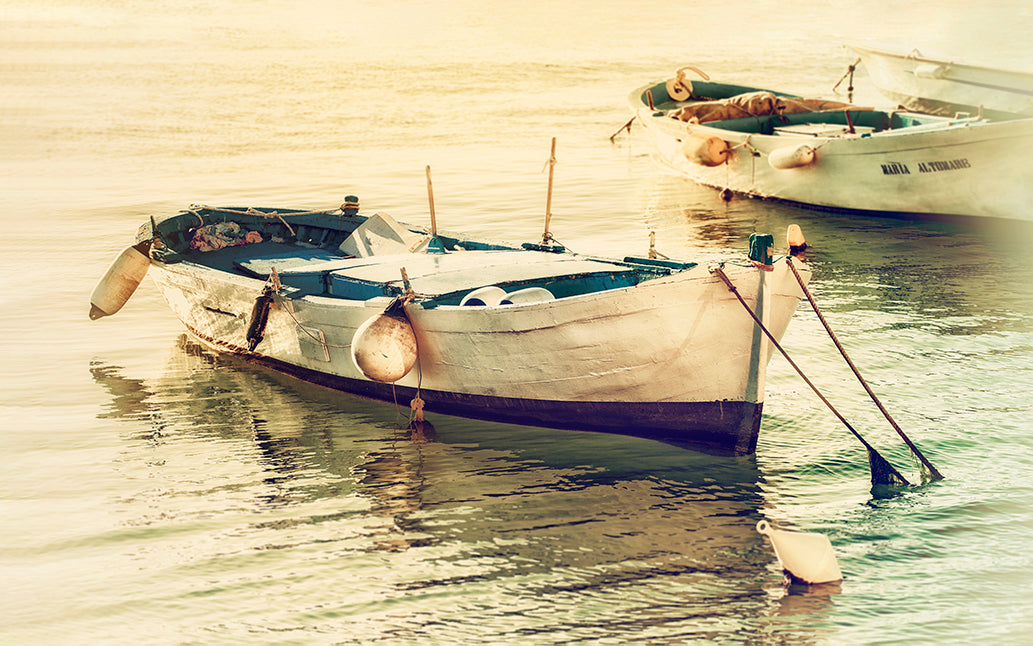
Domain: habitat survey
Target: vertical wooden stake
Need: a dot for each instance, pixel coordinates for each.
(546, 236)
(430, 197)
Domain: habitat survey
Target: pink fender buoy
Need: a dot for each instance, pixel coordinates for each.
(384, 348)
(805, 557)
(792, 157)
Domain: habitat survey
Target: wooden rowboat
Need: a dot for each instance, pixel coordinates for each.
(531, 334)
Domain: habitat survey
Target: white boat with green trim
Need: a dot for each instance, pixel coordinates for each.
(531, 334)
(831, 155)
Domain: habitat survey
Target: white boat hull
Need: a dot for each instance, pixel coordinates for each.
(979, 169)
(926, 84)
(677, 358)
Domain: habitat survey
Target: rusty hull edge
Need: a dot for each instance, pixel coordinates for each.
(725, 428)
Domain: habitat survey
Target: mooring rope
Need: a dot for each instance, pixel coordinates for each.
(936, 475)
(876, 460)
(253, 212)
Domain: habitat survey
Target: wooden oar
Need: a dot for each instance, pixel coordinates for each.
(882, 471)
(936, 475)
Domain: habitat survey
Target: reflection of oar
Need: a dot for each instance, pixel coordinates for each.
(121, 280)
(434, 246)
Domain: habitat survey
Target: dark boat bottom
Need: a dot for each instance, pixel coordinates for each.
(723, 428)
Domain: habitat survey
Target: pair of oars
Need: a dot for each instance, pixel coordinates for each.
(882, 472)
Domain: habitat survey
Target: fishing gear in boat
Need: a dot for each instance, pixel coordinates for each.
(882, 472)
(678, 88)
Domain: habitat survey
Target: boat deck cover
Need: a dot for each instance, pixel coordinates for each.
(435, 274)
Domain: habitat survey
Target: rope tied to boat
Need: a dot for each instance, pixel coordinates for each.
(398, 308)
(882, 472)
(253, 212)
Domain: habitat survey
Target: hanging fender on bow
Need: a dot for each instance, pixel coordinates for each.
(260, 316)
(384, 347)
(121, 280)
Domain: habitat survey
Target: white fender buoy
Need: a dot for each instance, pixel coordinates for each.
(708, 151)
(805, 557)
(930, 71)
(384, 348)
(484, 297)
(120, 281)
(527, 295)
(792, 157)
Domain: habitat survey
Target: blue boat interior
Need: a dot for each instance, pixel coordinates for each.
(309, 252)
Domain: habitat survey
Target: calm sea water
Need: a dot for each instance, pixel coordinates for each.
(152, 492)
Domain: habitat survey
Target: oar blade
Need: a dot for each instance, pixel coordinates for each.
(883, 472)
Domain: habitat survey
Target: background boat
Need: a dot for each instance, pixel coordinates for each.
(823, 154)
(942, 85)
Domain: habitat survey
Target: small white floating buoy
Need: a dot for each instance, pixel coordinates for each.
(120, 281)
(484, 297)
(707, 151)
(792, 157)
(527, 295)
(805, 557)
(384, 348)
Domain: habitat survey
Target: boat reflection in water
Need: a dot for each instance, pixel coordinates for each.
(877, 264)
(613, 535)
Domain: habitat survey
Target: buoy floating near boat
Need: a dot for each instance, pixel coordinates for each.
(120, 281)
(384, 348)
(794, 238)
(805, 557)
